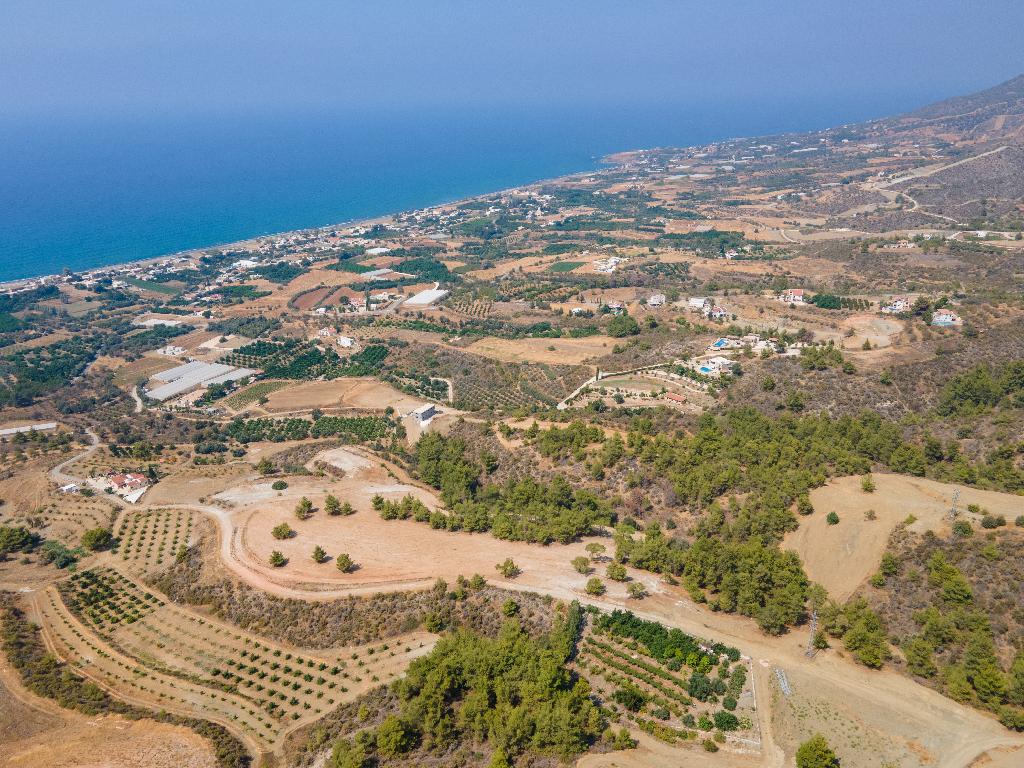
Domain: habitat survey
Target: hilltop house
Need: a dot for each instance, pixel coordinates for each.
(897, 305)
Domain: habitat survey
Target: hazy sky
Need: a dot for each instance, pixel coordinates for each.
(146, 56)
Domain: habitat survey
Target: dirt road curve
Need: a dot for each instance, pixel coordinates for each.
(957, 735)
(59, 476)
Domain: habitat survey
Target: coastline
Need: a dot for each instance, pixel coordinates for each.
(9, 286)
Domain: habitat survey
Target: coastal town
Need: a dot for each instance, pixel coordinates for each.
(695, 459)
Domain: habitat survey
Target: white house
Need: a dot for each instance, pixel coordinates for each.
(346, 341)
(697, 303)
(716, 312)
(897, 305)
(425, 413)
(721, 364)
(657, 300)
(792, 296)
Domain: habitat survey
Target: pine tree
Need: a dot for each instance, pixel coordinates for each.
(816, 753)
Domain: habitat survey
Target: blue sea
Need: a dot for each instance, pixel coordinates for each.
(78, 192)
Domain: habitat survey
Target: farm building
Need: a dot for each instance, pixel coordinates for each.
(426, 298)
(425, 413)
(191, 375)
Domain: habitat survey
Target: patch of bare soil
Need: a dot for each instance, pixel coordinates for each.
(36, 733)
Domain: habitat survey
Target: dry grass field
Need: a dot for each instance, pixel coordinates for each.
(352, 393)
(841, 557)
(36, 733)
(552, 351)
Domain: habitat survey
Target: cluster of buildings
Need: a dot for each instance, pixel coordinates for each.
(712, 366)
(345, 342)
(130, 486)
(897, 305)
(192, 376)
(608, 265)
(707, 307)
(945, 318)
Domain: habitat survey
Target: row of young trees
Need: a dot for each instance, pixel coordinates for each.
(43, 674)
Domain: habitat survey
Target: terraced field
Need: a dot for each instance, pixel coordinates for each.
(697, 696)
(148, 541)
(155, 653)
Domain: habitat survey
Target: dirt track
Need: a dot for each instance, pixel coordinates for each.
(923, 727)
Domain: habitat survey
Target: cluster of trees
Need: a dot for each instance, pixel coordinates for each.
(280, 272)
(16, 539)
(662, 643)
(513, 694)
(518, 510)
(361, 428)
(733, 551)
(952, 642)
(623, 325)
(573, 440)
(38, 371)
(831, 301)
(308, 362)
(982, 388)
(819, 358)
(861, 629)
(408, 506)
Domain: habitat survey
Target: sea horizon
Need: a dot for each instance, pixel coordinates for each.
(86, 193)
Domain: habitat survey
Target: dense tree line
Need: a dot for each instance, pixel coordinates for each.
(512, 695)
(662, 643)
(359, 428)
(982, 388)
(518, 510)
